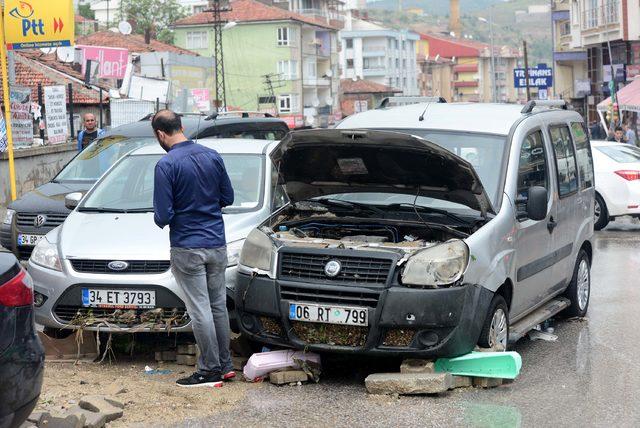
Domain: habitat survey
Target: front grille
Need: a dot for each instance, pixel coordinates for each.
(367, 299)
(24, 252)
(52, 220)
(310, 267)
(81, 316)
(135, 266)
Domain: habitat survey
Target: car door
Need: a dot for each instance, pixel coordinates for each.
(570, 207)
(532, 238)
(584, 158)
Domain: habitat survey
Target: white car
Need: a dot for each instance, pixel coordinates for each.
(617, 171)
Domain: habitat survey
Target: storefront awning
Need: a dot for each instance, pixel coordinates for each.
(628, 98)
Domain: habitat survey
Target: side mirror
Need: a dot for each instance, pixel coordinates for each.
(72, 200)
(537, 203)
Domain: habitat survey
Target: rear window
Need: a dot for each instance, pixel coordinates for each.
(622, 154)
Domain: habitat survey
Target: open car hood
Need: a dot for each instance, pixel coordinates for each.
(330, 161)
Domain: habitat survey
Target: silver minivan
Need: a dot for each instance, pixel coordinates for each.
(423, 230)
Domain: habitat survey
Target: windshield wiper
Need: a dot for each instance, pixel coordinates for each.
(114, 210)
(348, 204)
(445, 213)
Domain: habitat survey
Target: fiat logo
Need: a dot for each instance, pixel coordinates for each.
(40, 220)
(118, 265)
(332, 268)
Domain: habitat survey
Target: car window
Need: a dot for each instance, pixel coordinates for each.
(583, 154)
(565, 159)
(94, 160)
(533, 169)
(246, 174)
(267, 132)
(622, 153)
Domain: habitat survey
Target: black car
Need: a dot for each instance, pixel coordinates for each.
(29, 218)
(21, 353)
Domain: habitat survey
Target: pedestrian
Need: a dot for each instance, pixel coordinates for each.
(596, 131)
(191, 187)
(630, 134)
(90, 132)
(618, 135)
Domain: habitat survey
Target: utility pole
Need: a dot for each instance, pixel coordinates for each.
(218, 71)
(526, 69)
(493, 62)
(270, 88)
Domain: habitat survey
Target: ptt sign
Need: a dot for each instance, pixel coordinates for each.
(32, 24)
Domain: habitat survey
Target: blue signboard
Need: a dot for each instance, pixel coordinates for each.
(539, 77)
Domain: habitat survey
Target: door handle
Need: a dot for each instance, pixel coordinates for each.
(579, 201)
(551, 225)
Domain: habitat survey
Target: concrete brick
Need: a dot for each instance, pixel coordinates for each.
(462, 381)
(112, 409)
(66, 421)
(486, 382)
(287, 376)
(166, 355)
(408, 383)
(190, 349)
(36, 417)
(411, 365)
(186, 360)
(92, 419)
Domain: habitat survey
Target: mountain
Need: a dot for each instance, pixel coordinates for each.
(432, 7)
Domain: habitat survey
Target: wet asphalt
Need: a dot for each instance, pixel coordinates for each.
(589, 377)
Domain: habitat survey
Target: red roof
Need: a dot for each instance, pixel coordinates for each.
(29, 73)
(361, 86)
(250, 11)
(133, 42)
(81, 19)
(449, 47)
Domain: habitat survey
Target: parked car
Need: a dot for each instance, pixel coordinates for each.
(617, 169)
(21, 353)
(108, 264)
(33, 215)
(447, 226)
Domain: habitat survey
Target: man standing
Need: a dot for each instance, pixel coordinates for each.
(191, 188)
(90, 132)
(629, 134)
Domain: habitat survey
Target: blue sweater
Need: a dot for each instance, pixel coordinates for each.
(191, 188)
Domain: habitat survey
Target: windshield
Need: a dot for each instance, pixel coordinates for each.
(622, 154)
(93, 161)
(129, 185)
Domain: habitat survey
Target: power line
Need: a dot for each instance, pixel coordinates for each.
(216, 7)
(271, 83)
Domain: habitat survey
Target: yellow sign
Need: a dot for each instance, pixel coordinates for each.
(33, 24)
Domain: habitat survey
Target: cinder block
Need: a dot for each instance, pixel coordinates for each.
(408, 383)
(186, 360)
(287, 376)
(92, 419)
(66, 421)
(112, 409)
(166, 355)
(411, 365)
(462, 381)
(190, 349)
(486, 382)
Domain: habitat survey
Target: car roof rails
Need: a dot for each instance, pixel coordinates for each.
(530, 105)
(403, 101)
(150, 115)
(245, 113)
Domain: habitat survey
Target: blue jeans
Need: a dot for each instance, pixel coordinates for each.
(200, 274)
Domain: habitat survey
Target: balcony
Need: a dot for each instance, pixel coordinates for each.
(316, 81)
(607, 14)
(374, 52)
(323, 15)
(379, 71)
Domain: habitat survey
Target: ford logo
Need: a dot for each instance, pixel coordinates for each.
(332, 268)
(40, 220)
(118, 265)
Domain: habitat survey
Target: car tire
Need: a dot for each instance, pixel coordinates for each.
(495, 331)
(57, 333)
(601, 214)
(579, 290)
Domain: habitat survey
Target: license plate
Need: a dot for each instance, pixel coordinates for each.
(329, 314)
(123, 299)
(32, 240)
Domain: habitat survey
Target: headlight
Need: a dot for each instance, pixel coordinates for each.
(233, 252)
(258, 251)
(8, 217)
(440, 265)
(46, 254)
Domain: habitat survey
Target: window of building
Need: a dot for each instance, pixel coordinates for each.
(396, 43)
(533, 168)
(349, 63)
(199, 9)
(197, 40)
(284, 103)
(310, 69)
(288, 69)
(397, 63)
(583, 154)
(565, 159)
(283, 36)
(266, 100)
(397, 82)
(404, 82)
(348, 43)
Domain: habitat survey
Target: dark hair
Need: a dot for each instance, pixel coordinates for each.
(618, 128)
(167, 122)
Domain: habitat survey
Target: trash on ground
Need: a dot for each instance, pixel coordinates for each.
(504, 365)
(542, 335)
(263, 363)
(148, 370)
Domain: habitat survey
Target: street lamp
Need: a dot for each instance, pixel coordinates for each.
(493, 67)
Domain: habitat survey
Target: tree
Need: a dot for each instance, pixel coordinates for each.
(85, 11)
(151, 17)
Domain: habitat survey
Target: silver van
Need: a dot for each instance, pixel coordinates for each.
(423, 230)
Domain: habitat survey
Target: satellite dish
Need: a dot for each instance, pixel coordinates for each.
(47, 51)
(66, 53)
(329, 73)
(315, 102)
(329, 101)
(114, 30)
(124, 27)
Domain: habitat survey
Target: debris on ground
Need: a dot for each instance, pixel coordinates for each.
(77, 346)
(408, 383)
(287, 377)
(504, 365)
(150, 371)
(542, 335)
(263, 363)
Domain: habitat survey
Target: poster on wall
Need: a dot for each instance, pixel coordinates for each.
(21, 122)
(3, 134)
(201, 99)
(55, 105)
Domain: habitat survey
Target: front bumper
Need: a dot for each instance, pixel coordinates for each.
(422, 323)
(62, 292)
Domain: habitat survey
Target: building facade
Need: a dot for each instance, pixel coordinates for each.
(110, 12)
(379, 54)
(275, 61)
